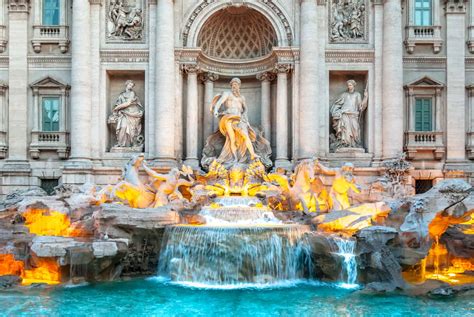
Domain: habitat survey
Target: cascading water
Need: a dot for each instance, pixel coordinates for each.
(346, 248)
(235, 255)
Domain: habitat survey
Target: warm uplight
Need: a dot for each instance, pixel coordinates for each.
(44, 222)
(10, 266)
(47, 271)
(358, 217)
(440, 265)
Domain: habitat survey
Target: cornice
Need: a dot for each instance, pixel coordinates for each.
(124, 56)
(345, 56)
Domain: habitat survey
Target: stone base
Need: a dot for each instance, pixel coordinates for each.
(350, 150)
(359, 159)
(283, 163)
(128, 149)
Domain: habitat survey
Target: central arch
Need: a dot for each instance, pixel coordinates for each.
(237, 34)
(206, 9)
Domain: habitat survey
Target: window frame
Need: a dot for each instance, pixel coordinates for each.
(44, 10)
(423, 10)
(41, 119)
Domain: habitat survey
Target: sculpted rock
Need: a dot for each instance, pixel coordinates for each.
(378, 265)
(459, 244)
(119, 221)
(7, 281)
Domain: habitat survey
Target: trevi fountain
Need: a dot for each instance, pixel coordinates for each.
(307, 241)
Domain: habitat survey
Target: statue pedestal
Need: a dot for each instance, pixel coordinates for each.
(129, 149)
(350, 150)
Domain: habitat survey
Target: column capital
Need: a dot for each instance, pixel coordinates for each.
(455, 6)
(266, 76)
(190, 68)
(208, 77)
(377, 2)
(282, 68)
(97, 2)
(20, 6)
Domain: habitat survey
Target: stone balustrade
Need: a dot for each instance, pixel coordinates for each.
(423, 141)
(423, 35)
(50, 141)
(50, 34)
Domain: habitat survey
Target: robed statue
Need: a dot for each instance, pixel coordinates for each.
(126, 119)
(346, 113)
(236, 141)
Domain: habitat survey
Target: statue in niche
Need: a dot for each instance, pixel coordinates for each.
(346, 114)
(347, 20)
(126, 120)
(236, 141)
(125, 21)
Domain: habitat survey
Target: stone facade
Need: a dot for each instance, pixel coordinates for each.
(293, 57)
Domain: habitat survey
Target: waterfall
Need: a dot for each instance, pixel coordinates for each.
(235, 255)
(346, 248)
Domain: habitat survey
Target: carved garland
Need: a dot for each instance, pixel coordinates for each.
(268, 3)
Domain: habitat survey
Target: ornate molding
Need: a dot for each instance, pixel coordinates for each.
(282, 68)
(286, 24)
(425, 60)
(208, 77)
(49, 61)
(124, 56)
(19, 6)
(190, 68)
(98, 2)
(455, 6)
(193, 17)
(266, 76)
(340, 56)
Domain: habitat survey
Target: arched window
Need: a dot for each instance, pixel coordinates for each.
(51, 12)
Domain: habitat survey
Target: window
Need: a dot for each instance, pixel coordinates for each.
(423, 185)
(423, 115)
(50, 114)
(51, 12)
(48, 185)
(423, 13)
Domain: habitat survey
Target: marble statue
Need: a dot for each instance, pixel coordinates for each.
(343, 183)
(347, 21)
(346, 113)
(125, 21)
(167, 185)
(126, 119)
(236, 141)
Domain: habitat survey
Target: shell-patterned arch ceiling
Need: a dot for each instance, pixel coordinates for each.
(237, 33)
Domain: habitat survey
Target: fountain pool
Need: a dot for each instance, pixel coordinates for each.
(153, 297)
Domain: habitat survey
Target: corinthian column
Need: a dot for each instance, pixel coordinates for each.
(265, 110)
(208, 79)
(165, 84)
(309, 100)
(18, 80)
(81, 82)
(393, 83)
(282, 116)
(192, 109)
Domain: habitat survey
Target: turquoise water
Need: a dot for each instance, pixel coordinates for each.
(152, 297)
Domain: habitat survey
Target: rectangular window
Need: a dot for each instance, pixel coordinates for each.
(50, 114)
(423, 12)
(423, 115)
(51, 12)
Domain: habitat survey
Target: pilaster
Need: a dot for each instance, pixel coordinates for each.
(265, 112)
(208, 79)
(192, 110)
(456, 78)
(282, 71)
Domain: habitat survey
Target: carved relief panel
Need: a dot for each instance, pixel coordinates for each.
(125, 21)
(348, 21)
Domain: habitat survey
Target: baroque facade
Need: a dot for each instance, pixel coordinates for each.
(84, 84)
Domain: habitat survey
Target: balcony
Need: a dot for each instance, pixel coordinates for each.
(50, 141)
(416, 35)
(424, 145)
(50, 34)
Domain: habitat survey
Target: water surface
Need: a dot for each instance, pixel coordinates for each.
(152, 297)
